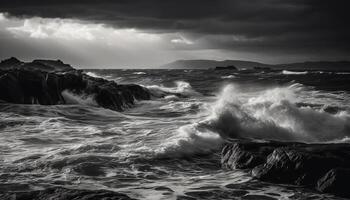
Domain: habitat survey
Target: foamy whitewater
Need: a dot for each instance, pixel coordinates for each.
(169, 147)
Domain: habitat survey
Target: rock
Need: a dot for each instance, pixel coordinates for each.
(59, 193)
(53, 65)
(335, 181)
(10, 63)
(302, 164)
(291, 163)
(11, 91)
(43, 81)
(246, 155)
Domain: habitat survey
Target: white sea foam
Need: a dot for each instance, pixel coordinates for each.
(190, 140)
(72, 98)
(286, 72)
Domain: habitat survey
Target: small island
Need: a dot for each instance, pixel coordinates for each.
(230, 67)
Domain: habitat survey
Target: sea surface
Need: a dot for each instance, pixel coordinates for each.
(169, 147)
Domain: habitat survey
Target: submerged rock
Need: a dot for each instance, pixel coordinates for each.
(312, 165)
(59, 193)
(44, 81)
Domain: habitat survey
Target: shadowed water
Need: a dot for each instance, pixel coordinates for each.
(169, 147)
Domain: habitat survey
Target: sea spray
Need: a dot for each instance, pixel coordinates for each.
(273, 114)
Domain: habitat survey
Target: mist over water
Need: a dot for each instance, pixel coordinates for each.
(169, 147)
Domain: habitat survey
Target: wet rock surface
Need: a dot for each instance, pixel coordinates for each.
(335, 181)
(60, 193)
(325, 167)
(43, 81)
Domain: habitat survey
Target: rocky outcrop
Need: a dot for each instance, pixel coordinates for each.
(59, 193)
(41, 65)
(10, 63)
(44, 82)
(335, 181)
(320, 166)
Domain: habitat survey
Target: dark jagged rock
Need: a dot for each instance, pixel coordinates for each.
(42, 65)
(44, 81)
(59, 193)
(53, 65)
(335, 181)
(10, 63)
(246, 155)
(310, 165)
(11, 91)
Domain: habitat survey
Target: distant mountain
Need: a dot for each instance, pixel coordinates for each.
(206, 64)
(240, 64)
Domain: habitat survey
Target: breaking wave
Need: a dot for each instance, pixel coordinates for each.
(269, 115)
(274, 114)
(191, 140)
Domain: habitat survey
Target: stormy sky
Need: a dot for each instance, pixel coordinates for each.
(148, 33)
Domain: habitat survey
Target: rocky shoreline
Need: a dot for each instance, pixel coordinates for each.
(43, 81)
(324, 167)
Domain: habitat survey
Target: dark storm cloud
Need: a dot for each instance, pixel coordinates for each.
(250, 25)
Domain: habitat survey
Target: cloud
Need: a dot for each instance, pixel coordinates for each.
(251, 19)
(268, 29)
(41, 28)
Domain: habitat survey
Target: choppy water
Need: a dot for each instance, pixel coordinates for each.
(169, 148)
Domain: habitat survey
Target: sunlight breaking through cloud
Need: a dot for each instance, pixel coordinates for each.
(43, 28)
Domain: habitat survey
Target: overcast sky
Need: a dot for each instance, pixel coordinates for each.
(148, 33)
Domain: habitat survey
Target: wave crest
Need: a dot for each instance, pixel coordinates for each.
(273, 114)
(181, 88)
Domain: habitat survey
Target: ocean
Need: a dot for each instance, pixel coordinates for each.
(169, 147)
